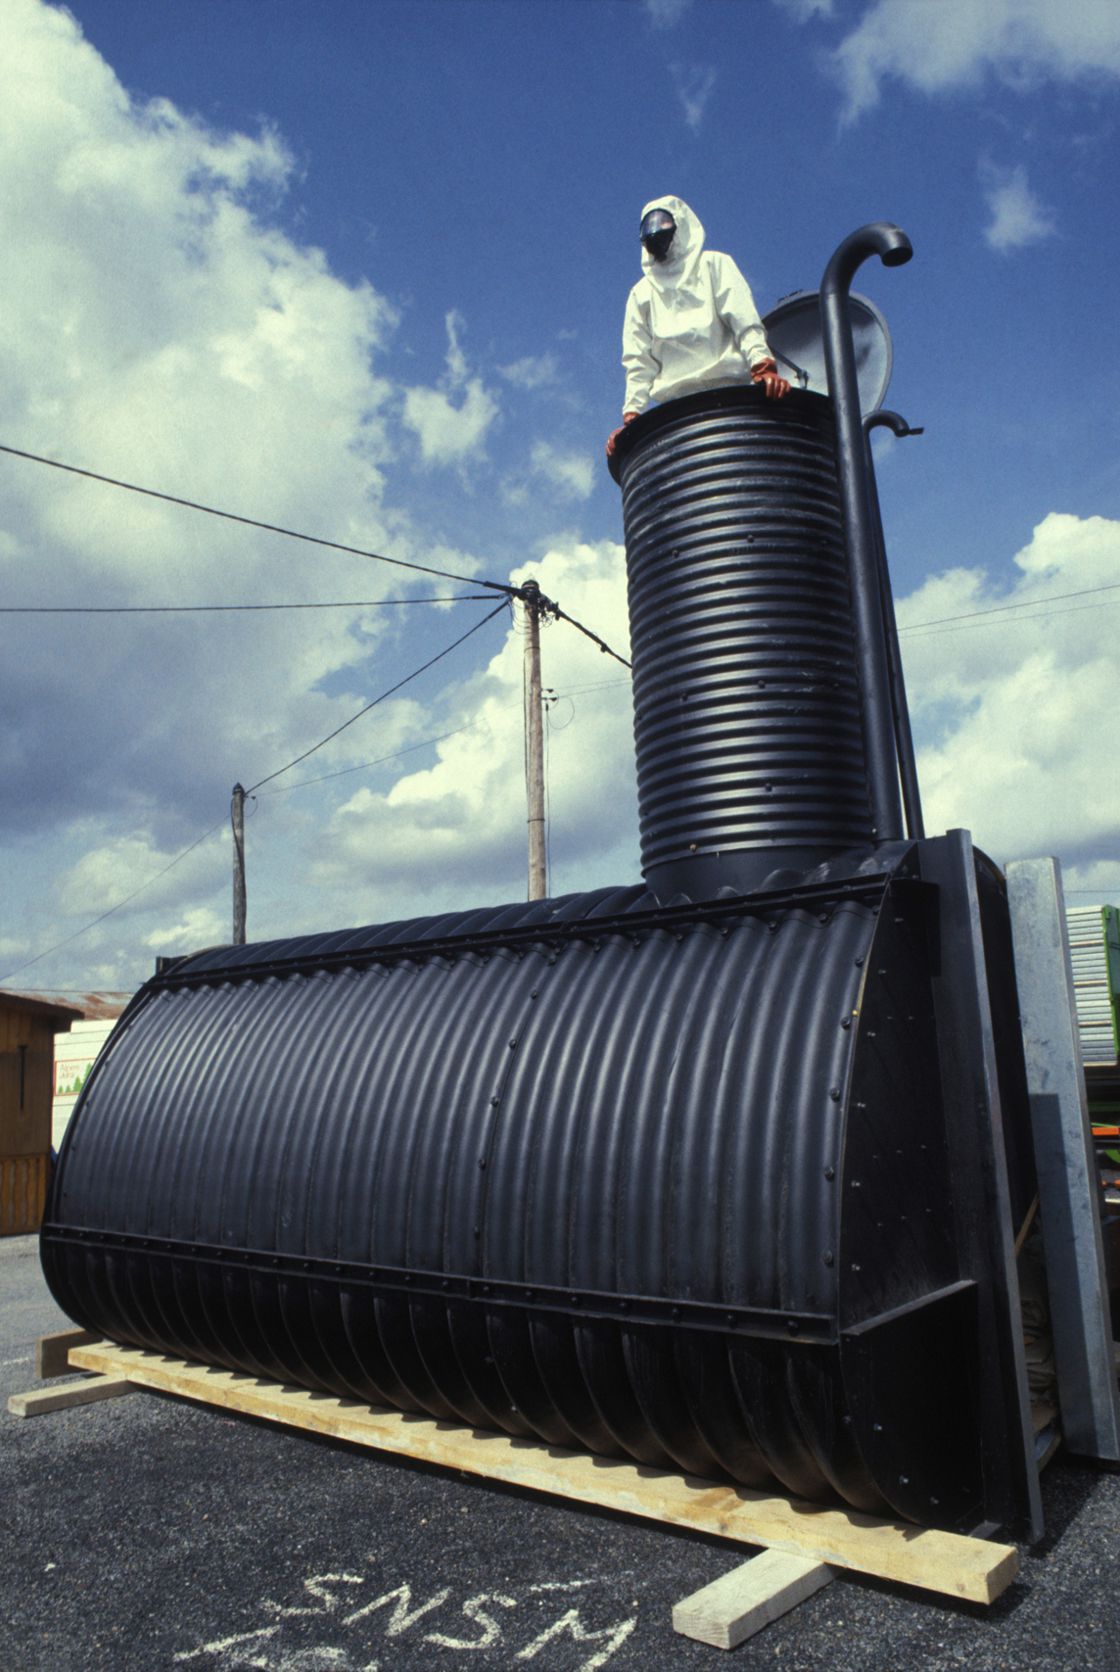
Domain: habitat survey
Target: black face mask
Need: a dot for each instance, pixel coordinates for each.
(657, 232)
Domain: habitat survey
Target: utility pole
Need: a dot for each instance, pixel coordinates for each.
(534, 742)
(237, 818)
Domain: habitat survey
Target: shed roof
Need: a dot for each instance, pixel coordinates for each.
(59, 1017)
(103, 1005)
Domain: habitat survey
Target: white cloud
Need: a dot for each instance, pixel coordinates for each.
(158, 325)
(456, 358)
(552, 472)
(118, 866)
(694, 84)
(1017, 216)
(571, 475)
(952, 43)
(535, 371)
(664, 14)
(451, 422)
(1095, 883)
(155, 328)
(200, 926)
(1013, 712)
(450, 434)
(461, 822)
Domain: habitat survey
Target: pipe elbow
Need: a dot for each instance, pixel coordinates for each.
(881, 238)
(884, 418)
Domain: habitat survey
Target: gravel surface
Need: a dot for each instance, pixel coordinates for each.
(145, 1534)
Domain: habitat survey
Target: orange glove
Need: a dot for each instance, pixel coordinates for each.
(627, 418)
(766, 373)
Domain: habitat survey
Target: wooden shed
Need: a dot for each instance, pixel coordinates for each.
(27, 1030)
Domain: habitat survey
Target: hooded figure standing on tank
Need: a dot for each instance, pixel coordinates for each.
(691, 323)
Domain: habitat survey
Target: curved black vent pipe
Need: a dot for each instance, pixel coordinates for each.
(893, 248)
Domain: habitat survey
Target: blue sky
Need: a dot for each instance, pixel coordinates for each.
(359, 269)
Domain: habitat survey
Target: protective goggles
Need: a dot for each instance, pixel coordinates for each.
(657, 231)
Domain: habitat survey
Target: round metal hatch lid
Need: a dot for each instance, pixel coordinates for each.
(793, 330)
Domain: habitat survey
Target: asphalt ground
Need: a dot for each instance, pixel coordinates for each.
(145, 1534)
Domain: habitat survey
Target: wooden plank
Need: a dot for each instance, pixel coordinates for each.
(36, 1404)
(52, 1352)
(946, 1562)
(23, 1192)
(733, 1608)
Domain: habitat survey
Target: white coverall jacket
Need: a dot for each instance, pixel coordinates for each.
(691, 322)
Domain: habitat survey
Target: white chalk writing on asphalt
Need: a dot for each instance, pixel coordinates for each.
(364, 1615)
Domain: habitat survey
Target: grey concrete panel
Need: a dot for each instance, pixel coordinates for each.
(1069, 1195)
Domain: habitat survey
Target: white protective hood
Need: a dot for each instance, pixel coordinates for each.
(679, 272)
(691, 323)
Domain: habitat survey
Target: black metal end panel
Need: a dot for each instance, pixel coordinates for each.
(910, 1345)
(980, 1056)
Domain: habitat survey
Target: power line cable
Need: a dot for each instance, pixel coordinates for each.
(252, 522)
(128, 897)
(504, 587)
(562, 615)
(379, 699)
(92, 924)
(969, 626)
(441, 737)
(426, 743)
(1023, 604)
(204, 609)
(198, 842)
(604, 685)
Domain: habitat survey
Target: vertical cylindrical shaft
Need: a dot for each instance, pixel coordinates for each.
(534, 745)
(748, 719)
(237, 818)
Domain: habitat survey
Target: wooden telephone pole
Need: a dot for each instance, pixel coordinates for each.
(534, 743)
(237, 818)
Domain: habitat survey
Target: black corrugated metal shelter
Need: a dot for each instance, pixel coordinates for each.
(720, 1173)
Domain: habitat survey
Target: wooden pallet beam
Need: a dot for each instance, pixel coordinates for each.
(52, 1352)
(42, 1400)
(945, 1562)
(734, 1607)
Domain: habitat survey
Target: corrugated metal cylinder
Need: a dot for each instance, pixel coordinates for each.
(747, 714)
(608, 1174)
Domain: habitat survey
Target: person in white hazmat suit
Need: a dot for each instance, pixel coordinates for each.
(691, 323)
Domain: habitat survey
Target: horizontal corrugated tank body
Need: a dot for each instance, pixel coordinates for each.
(590, 1170)
(747, 716)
